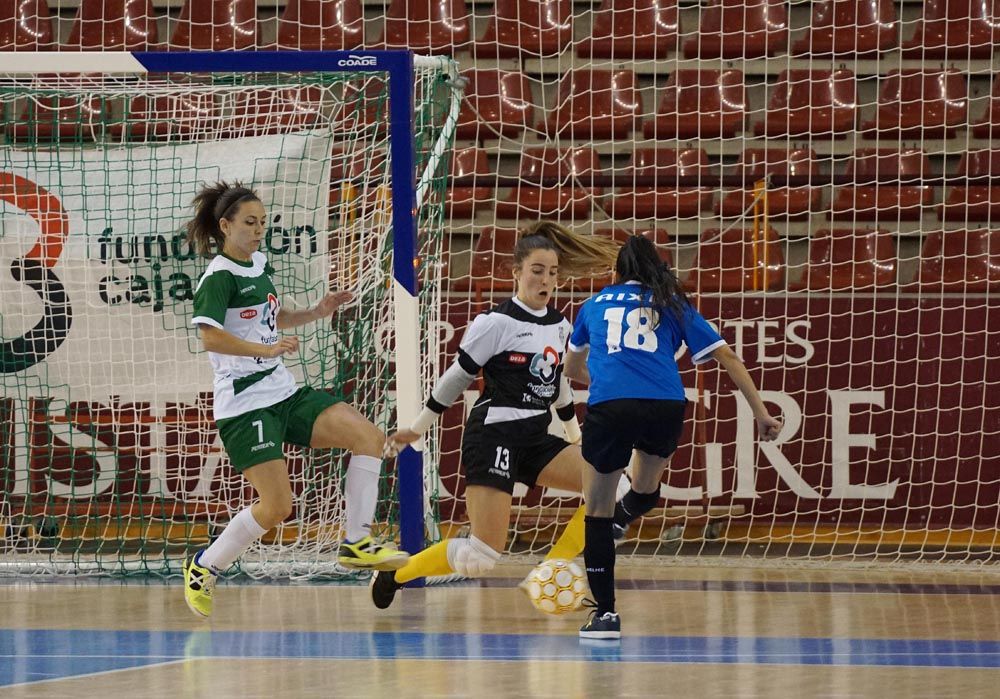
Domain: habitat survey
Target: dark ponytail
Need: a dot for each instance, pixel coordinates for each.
(639, 261)
(211, 204)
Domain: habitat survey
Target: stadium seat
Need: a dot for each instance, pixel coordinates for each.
(60, 119)
(988, 126)
(786, 202)
(321, 25)
(595, 104)
(348, 169)
(915, 103)
(849, 28)
(271, 111)
(461, 202)
(426, 26)
(844, 259)
(733, 261)
(974, 202)
(959, 262)
(954, 29)
(632, 29)
(215, 25)
(165, 117)
(365, 105)
(883, 202)
(114, 25)
(563, 197)
(739, 29)
(492, 260)
(700, 104)
(663, 199)
(526, 28)
(496, 104)
(25, 25)
(817, 103)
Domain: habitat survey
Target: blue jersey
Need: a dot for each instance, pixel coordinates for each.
(628, 358)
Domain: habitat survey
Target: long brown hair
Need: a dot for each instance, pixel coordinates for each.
(579, 255)
(212, 203)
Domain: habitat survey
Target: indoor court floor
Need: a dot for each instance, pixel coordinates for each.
(705, 632)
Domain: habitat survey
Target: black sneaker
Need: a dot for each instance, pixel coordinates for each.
(618, 532)
(603, 627)
(384, 588)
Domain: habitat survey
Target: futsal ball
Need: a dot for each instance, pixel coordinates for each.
(557, 586)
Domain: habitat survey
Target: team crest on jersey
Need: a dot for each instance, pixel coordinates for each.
(544, 364)
(270, 318)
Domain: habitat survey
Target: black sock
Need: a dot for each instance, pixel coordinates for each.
(633, 506)
(599, 557)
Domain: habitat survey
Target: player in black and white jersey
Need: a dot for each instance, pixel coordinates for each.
(518, 345)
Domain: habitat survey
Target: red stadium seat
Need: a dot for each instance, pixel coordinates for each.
(522, 28)
(849, 28)
(60, 119)
(740, 29)
(817, 103)
(733, 261)
(461, 202)
(595, 104)
(787, 202)
(114, 25)
(216, 25)
(496, 103)
(491, 265)
(662, 200)
(25, 25)
(700, 104)
(166, 117)
(955, 29)
(427, 26)
(959, 262)
(565, 198)
(883, 202)
(914, 103)
(271, 111)
(844, 259)
(321, 25)
(632, 29)
(989, 125)
(976, 202)
(364, 105)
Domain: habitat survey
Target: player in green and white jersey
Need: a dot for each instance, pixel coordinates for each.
(258, 406)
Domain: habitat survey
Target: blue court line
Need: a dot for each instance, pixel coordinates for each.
(42, 654)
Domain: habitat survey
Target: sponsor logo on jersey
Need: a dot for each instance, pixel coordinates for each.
(544, 365)
(248, 313)
(517, 358)
(248, 289)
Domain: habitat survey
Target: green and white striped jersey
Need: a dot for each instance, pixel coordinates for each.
(240, 298)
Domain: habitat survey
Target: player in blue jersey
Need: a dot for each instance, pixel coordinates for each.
(623, 345)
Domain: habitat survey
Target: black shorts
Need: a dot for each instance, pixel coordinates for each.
(614, 428)
(503, 453)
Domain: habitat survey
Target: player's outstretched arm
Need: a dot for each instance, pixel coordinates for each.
(221, 342)
(768, 427)
(327, 306)
(575, 366)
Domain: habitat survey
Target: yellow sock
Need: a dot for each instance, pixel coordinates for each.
(570, 544)
(431, 561)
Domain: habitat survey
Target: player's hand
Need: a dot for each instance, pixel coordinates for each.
(286, 345)
(330, 303)
(396, 441)
(768, 427)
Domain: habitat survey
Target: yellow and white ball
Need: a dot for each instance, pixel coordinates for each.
(557, 586)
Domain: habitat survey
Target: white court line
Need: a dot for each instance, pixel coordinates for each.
(93, 674)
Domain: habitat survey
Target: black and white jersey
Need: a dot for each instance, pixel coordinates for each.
(520, 351)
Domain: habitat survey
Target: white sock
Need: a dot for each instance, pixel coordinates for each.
(236, 538)
(361, 495)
